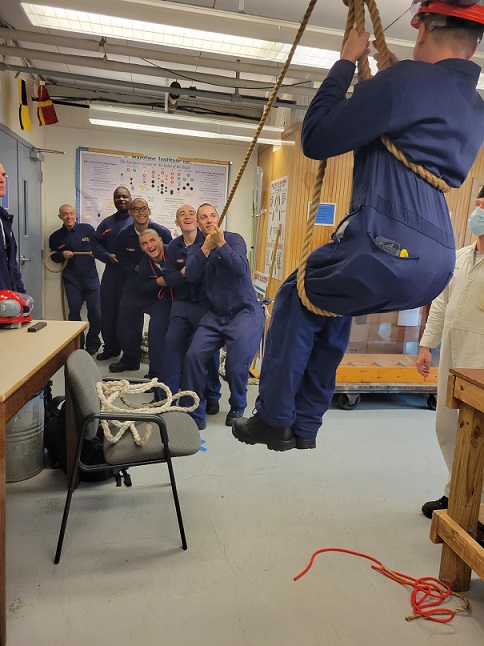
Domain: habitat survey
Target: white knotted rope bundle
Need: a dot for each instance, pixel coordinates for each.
(109, 391)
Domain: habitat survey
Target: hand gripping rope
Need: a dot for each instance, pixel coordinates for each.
(356, 17)
(59, 271)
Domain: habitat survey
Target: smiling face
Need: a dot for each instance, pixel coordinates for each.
(186, 218)
(152, 244)
(67, 215)
(140, 212)
(122, 199)
(207, 217)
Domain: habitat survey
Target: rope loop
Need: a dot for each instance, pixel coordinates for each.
(109, 391)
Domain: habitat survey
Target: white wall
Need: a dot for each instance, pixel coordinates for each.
(74, 130)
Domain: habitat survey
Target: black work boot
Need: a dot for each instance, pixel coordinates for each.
(431, 506)
(255, 431)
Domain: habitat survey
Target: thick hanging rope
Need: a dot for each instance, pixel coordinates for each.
(268, 107)
(109, 391)
(427, 593)
(59, 271)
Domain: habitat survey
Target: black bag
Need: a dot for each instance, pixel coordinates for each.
(92, 450)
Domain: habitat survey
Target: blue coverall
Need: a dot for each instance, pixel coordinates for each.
(157, 302)
(81, 280)
(112, 279)
(434, 115)
(189, 305)
(10, 277)
(235, 319)
(131, 308)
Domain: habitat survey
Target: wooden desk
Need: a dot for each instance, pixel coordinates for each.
(457, 526)
(27, 362)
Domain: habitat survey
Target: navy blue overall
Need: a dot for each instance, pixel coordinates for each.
(157, 303)
(81, 280)
(235, 319)
(189, 305)
(112, 279)
(131, 308)
(10, 277)
(395, 250)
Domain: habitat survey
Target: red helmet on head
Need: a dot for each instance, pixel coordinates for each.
(471, 10)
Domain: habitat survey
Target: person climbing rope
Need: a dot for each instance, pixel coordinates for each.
(395, 249)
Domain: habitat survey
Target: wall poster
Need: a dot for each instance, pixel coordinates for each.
(164, 182)
(277, 216)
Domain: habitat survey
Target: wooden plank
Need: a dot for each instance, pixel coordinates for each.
(469, 393)
(375, 374)
(451, 401)
(457, 542)
(459, 555)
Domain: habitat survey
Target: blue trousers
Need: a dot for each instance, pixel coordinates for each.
(241, 334)
(159, 313)
(77, 294)
(130, 325)
(111, 288)
(298, 372)
(360, 272)
(184, 320)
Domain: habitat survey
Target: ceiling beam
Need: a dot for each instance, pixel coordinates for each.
(145, 70)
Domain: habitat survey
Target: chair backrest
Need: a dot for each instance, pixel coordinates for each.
(82, 375)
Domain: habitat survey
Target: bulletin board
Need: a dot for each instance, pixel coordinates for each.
(164, 182)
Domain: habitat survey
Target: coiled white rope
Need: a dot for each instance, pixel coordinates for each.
(108, 391)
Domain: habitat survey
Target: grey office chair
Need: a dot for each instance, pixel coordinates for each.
(178, 434)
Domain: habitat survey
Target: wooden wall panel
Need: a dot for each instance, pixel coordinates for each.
(301, 171)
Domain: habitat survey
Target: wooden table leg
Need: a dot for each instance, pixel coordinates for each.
(465, 493)
(3, 486)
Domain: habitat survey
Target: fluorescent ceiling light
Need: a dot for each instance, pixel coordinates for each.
(170, 36)
(178, 124)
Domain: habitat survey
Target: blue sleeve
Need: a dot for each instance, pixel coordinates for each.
(165, 235)
(334, 125)
(195, 264)
(100, 251)
(234, 254)
(57, 256)
(17, 279)
(173, 276)
(125, 258)
(146, 279)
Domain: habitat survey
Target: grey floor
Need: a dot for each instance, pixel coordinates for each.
(253, 519)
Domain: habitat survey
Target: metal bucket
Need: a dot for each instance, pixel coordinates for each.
(25, 441)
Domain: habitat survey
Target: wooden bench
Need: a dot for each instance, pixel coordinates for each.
(457, 526)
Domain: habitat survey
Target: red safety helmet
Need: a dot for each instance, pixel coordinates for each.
(464, 9)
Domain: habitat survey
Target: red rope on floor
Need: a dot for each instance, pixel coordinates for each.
(427, 593)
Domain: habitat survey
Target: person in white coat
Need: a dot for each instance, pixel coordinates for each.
(456, 321)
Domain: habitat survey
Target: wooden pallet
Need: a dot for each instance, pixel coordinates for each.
(382, 369)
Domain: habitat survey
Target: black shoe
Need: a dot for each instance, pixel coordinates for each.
(92, 351)
(105, 355)
(255, 431)
(302, 443)
(120, 366)
(433, 505)
(232, 415)
(212, 407)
